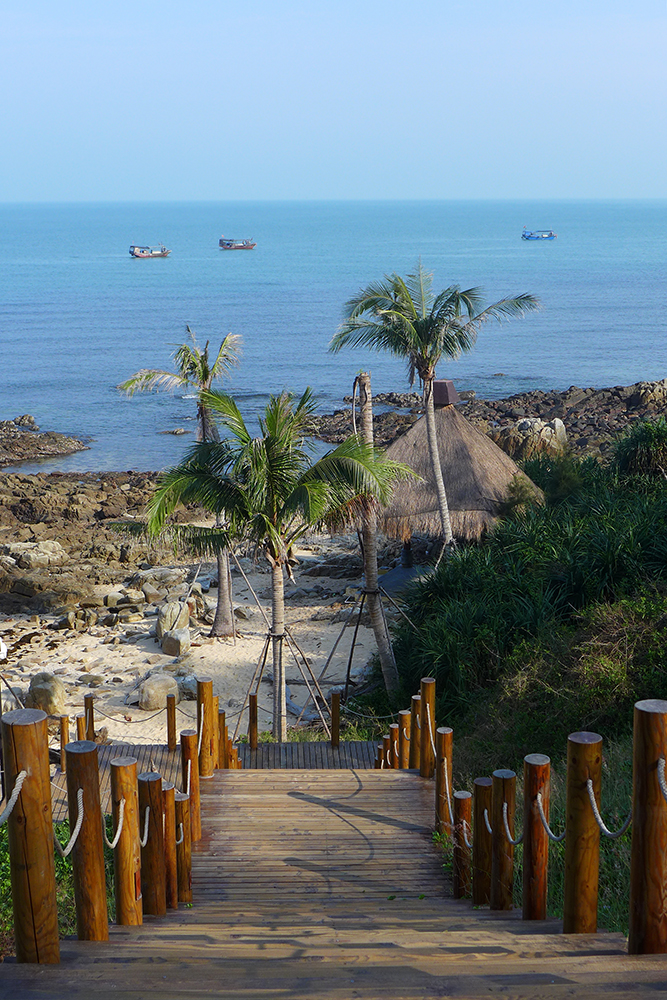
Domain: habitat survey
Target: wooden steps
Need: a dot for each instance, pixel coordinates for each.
(325, 885)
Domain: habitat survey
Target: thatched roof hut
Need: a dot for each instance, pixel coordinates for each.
(477, 476)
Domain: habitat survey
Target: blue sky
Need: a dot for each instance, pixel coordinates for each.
(155, 99)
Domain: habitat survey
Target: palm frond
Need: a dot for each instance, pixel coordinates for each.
(148, 379)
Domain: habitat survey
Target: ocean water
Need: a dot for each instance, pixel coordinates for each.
(78, 315)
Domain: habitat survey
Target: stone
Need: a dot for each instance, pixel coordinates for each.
(532, 436)
(176, 642)
(154, 689)
(172, 615)
(46, 692)
(113, 599)
(35, 555)
(187, 687)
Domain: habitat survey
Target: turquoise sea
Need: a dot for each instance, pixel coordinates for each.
(78, 315)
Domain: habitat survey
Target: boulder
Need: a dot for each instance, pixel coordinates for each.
(154, 689)
(176, 642)
(531, 436)
(35, 555)
(46, 692)
(172, 615)
(187, 686)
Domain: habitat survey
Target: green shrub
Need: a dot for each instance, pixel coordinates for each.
(642, 450)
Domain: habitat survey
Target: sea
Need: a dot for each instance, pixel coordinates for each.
(78, 315)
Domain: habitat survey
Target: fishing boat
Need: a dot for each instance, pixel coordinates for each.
(160, 251)
(538, 234)
(227, 244)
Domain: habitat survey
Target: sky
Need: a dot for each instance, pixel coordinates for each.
(213, 100)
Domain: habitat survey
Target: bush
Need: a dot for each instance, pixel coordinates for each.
(643, 449)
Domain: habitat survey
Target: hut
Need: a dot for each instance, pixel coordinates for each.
(477, 475)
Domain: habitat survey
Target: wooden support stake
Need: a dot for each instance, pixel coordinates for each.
(582, 839)
(379, 756)
(64, 740)
(415, 732)
(536, 780)
(25, 747)
(404, 722)
(205, 724)
(252, 720)
(153, 872)
(427, 720)
(170, 870)
(461, 879)
(386, 751)
(335, 720)
(216, 735)
(90, 891)
(127, 853)
(222, 739)
(444, 739)
(648, 866)
(184, 848)
(80, 727)
(481, 844)
(502, 851)
(89, 715)
(393, 737)
(235, 758)
(189, 765)
(171, 721)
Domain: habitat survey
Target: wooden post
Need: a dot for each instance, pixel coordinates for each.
(252, 720)
(222, 739)
(89, 715)
(335, 720)
(170, 871)
(25, 747)
(461, 880)
(415, 732)
(481, 844)
(386, 751)
(393, 737)
(153, 873)
(444, 738)
(216, 737)
(183, 848)
(205, 725)
(648, 866)
(404, 720)
(502, 851)
(379, 751)
(64, 740)
(235, 758)
(427, 720)
(230, 745)
(171, 721)
(80, 727)
(582, 839)
(90, 891)
(378, 758)
(127, 853)
(536, 781)
(189, 767)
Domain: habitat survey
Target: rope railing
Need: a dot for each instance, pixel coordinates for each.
(557, 839)
(466, 841)
(13, 798)
(65, 851)
(179, 839)
(143, 840)
(486, 822)
(448, 795)
(598, 818)
(430, 732)
(121, 816)
(513, 842)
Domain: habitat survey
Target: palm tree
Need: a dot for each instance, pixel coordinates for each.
(268, 486)
(404, 317)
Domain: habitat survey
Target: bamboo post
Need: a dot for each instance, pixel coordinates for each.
(170, 871)
(415, 732)
(216, 737)
(171, 721)
(536, 781)
(64, 740)
(582, 839)
(393, 737)
(89, 715)
(461, 879)
(481, 844)
(335, 720)
(190, 770)
(222, 739)
(153, 871)
(90, 891)
(183, 848)
(502, 851)
(127, 853)
(386, 751)
(648, 866)
(404, 720)
(252, 720)
(80, 727)
(30, 835)
(427, 720)
(444, 738)
(205, 725)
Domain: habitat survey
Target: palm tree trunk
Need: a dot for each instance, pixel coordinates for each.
(436, 468)
(369, 539)
(223, 623)
(277, 639)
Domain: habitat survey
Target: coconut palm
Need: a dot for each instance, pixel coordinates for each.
(406, 318)
(269, 486)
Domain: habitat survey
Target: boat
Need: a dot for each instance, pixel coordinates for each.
(227, 244)
(538, 234)
(160, 251)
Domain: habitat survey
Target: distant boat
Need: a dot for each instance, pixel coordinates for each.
(160, 251)
(538, 234)
(227, 244)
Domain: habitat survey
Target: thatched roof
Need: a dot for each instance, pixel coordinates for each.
(477, 474)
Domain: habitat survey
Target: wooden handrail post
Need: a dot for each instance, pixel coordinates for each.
(378, 758)
(481, 843)
(582, 837)
(461, 855)
(170, 871)
(189, 767)
(444, 738)
(153, 872)
(89, 715)
(427, 720)
(171, 721)
(415, 732)
(183, 848)
(404, 722)
(502, 851)
(222, 738)
(90, 891)
(64, 740)
(235, 758)
(648, 866)
(205, 725)
(335, 720)
(127, 853)
(536, 781)
(252, 720)
(80, 727)
(25, 747)
(216, 735)
(386, 751)
(393, 737)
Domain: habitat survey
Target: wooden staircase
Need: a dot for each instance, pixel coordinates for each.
(325, 885)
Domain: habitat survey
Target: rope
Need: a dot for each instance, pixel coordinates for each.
(129, 722)
(189, 776)
(430, 732)
(513, 842)
(447, 795)
(405, 735)
(388, 758)
(486, 821)
(18, 785)
(547, 829)
(467, 842)
(418, 720)
(144, 840)
(179, 840)
(121, 816)
(661, 778)
(396, 748)
(371, 718)
(201, 729)
(596, 812)
(64, 851)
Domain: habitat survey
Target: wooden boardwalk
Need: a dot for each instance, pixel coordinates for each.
(325, 885)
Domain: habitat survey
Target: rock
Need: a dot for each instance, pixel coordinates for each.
(532, 436)
(187, 686)
(151, 594)
(172, 615)
(35, 555)
(154, 689)
(176, 642)
(26, 421)
(46, 692)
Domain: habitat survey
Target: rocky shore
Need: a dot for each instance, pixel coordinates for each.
(21, 441)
